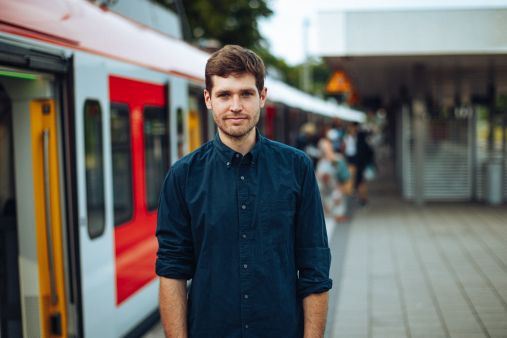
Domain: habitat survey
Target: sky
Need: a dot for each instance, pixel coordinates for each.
(284, 30)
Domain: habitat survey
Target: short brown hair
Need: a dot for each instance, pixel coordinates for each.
(235, 60)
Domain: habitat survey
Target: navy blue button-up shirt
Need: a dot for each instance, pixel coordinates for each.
(250, 233)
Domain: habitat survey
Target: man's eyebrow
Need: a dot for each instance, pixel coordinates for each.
(222, 91)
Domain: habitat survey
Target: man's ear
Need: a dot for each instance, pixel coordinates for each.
(263, 95)
(207, 98)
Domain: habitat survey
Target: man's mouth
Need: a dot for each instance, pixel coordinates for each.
(236, 119)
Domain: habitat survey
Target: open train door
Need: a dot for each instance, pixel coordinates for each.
(34, 266)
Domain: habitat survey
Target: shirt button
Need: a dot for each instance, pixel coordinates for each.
(244, 235)
(242, 178)
(228, 164)
(237, 155)
(243, 207)
(246, 296)
(245, 266)
(246, 326)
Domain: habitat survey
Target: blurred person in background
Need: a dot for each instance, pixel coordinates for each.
(242, 217)
(338, 136)
(360, 157)
(331, 172)
(307, 141)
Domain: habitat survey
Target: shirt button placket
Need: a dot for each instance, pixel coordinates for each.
(245, 218)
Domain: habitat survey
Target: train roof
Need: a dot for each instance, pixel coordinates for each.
(281, 92)
(81, 25)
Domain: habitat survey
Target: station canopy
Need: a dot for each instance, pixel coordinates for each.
(446, 51)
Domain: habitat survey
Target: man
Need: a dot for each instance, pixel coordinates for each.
(359, 156)
(241, 216)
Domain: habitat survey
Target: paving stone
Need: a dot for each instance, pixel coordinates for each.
(426, 327)
(497, 333)
(460, 334)
(346, 334)
(388, 331)
(494, 325)
(427, 335)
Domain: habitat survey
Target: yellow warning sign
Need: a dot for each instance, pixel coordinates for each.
(339, 83)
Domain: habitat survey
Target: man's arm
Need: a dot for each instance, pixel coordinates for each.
(175, 257)
(173, 307)
(315, 314)
(313, 257)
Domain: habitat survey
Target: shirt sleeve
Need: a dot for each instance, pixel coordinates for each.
(313, 257)
(175, 256)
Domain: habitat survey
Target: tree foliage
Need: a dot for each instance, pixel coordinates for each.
(227, 21)
(236, 22)
(320, 72)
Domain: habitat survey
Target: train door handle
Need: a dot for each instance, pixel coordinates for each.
(47, 204)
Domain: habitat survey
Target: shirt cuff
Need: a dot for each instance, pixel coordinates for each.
(313, 266)
(170, 269)
(306, 288)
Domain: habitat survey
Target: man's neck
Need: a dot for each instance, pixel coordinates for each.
(241, 145)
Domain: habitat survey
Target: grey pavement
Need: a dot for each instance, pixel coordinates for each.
(434, 271)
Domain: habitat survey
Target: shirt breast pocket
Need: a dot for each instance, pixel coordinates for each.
(277, 223)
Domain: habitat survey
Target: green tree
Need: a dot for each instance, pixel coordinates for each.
(236, 22)
(292, 74)
(227, 21)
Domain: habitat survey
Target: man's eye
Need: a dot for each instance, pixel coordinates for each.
(223, 95)
(246, 94)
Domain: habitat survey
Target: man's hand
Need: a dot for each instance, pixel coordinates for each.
(173, 307)
(315, 313)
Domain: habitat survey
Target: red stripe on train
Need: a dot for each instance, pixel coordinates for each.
(135, 242)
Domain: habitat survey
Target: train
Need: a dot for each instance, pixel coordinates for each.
(94, 108)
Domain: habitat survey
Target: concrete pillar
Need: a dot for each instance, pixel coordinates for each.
(419, 112)
(491, 117)
(419, 127)
(472, 144)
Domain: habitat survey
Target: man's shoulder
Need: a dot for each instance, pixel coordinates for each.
(191, 158)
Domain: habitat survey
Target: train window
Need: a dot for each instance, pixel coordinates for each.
(122, 164)
(156, 150)
(94, 167)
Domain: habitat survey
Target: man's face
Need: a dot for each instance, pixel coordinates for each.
(236, 103)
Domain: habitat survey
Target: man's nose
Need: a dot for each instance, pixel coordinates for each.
(236, 104)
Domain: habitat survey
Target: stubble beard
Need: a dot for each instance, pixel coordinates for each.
(240, 133)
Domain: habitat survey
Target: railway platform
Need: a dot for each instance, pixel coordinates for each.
(433, 271)
(404, 271)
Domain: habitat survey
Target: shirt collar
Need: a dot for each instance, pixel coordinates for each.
(229, 155)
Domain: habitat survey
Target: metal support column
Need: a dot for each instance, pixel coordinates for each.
(472, 144)
(419, 119)
(420, 81)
